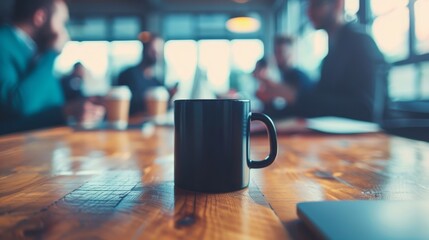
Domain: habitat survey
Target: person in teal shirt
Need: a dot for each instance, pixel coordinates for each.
(30, 95)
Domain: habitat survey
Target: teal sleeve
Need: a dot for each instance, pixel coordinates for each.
(34, 91)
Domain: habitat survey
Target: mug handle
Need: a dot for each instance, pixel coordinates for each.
(272, 135)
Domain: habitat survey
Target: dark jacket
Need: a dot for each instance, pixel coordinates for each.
(297, 79)
(350, 72)
(133, 78)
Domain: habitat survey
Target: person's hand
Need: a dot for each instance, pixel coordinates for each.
(85, 112)
(269, 90)
(92, 112)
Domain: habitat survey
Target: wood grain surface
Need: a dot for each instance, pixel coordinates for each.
(65, 184)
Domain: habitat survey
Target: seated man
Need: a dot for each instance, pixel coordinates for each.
(142, 77)
(30, 96)
(349, 74)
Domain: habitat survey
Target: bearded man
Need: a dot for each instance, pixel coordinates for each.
(30, 95)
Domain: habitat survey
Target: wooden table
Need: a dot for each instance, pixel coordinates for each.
(66, 184)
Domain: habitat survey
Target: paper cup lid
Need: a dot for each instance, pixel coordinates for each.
(119, 92)
(157, 93)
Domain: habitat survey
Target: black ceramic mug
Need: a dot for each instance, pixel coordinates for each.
(211, 146)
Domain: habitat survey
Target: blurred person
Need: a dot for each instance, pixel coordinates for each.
(30, 95)
(349, 73)
(243, 84)
(282, 73)
(249, 84)
(72, 84)
(290, 74)
(142, 77)
(261, 68)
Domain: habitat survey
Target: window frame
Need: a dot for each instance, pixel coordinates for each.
(367, 18)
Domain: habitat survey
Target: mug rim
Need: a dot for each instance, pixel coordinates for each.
(212, 100)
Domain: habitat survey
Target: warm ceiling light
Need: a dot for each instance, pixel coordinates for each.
(243, 24)
(241, 1)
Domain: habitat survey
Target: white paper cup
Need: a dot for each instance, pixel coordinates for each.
(156, 101)
(117, 103)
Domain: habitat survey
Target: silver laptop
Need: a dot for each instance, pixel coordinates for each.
(390, 220)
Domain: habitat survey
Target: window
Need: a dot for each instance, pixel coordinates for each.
(103, 60)
(181, 62)
(88, 28)
(124, 54)
(402, 82)
(399, 27)
(104, 28)
(312, 47)
(424, 80)
(422, 28)
(178, 26)
(245, 53)
(351, 8)
(381, 7)
(390, 27)
(214, 60)
(404, 39)
(125, 27)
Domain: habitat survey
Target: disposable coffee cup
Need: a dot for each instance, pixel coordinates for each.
(156, 101)
(117, 103)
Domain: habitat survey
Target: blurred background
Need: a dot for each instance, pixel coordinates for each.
(199, 36)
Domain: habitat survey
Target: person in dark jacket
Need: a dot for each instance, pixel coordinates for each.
(142, 77)
(350, 72)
